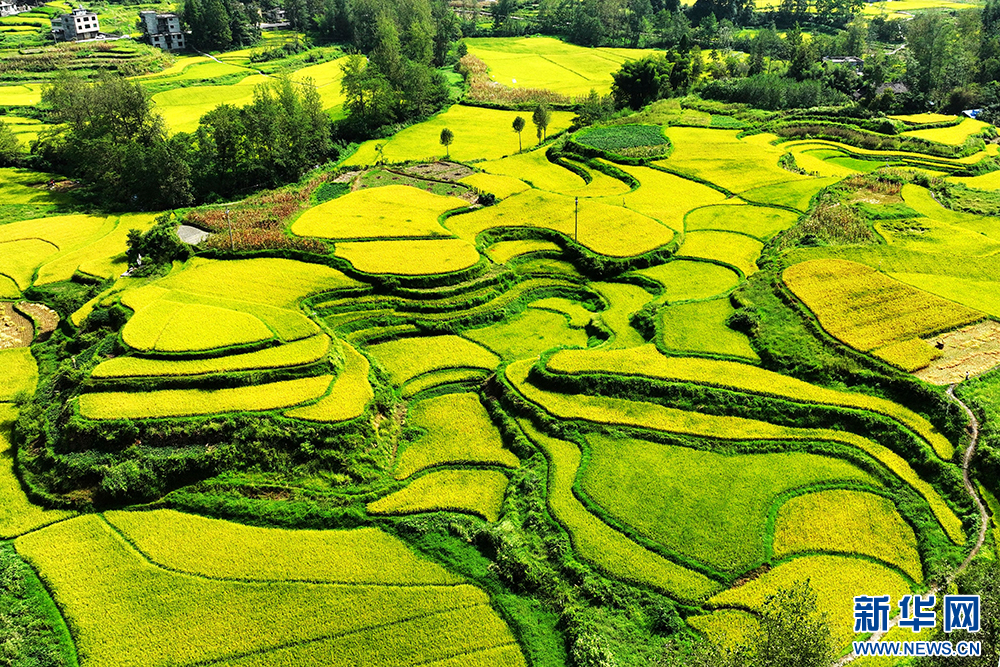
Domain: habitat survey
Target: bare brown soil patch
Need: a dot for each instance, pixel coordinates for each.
(46, 320)
(439, 171)
(965, 352)
(15, 329)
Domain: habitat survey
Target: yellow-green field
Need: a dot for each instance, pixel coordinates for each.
(412, 257)
(478, 492)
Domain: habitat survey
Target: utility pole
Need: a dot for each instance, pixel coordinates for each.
(232, 243)
(576, 220)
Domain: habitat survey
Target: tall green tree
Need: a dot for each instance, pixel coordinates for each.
(518, 126)
(216, 32)
(447, 137)
(10, 147)
(541, 117)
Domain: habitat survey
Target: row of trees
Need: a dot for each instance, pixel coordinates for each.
(112, 138)
(220, 24)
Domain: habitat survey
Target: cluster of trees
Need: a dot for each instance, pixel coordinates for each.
(219, 24)
(112, 138)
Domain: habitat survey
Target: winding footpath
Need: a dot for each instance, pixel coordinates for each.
(984, 518)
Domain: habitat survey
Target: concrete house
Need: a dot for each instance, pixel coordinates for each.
(163, 30)
(79, 24)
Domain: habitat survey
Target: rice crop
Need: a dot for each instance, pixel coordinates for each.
(185, 402)
(725, 627)
(497, 185)
(25, 95)
(116, 600)
(65, 231)
(406, 358)
(665, 197)
(623, 300)
(182, 108)
(835, 579)
(534, 168)
(647, 361)
(577, 315)
(18, 515)
(923, 118)
(327, 78)
(305, 351)
(700, 327)
(622, 412)
(954, 135)
(599, 543)
(191, 544)
(528, 334)
(852, 522)
(686, 280)
(797, 195)
(710, 507)
(390, 211)
(605, 229)
(478, 492)
(411, 257)
(480, 134)
(551, 64)
(442, 377)
(867, 309)
(105, 258)
(455, 429)
(504, 251)
(349, 395)
(707, 154)
(19, 260)
(758, 221)
(736, 250)
(168, 326)
(20, 372)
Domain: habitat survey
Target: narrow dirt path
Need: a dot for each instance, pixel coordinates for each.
(984, 518)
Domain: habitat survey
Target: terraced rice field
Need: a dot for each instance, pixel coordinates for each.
(477, 492)
(699, 327)
(414, 257)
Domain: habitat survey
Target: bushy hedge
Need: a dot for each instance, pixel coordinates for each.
(771, 91)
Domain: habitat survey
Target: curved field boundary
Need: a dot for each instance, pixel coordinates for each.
(615, 411)
(648, 362)
(479, 492)
(599, 543)
(348, 396)
(441, 377)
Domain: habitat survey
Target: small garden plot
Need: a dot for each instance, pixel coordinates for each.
(18, 515)
(115, 600)
(225, 550)
(504, 251)
(168, 326)
(648, 361)
(868, 310)
(923, 118)
(686, 280)
(456, 429)
(412, 257)
(851, 522)
(577, 315)
(480, 134)
(797, 195)
(391, 211)
(665, 197)
(954, 135)
(708, 154)
(735, 250)
(305, 351)
(630, 140)
(709, 507)
(478, 492)
(187, 402)
(497, 185)
(529, 334)
(605, 229)
(349, 394)
(20, 372)
(406, 358)
(551, 64)
(836, 580)
(535, 169)
(757, 221)
(700, 327)
(601, 544)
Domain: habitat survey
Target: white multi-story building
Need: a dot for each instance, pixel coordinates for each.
(80, 24)
(163, 30)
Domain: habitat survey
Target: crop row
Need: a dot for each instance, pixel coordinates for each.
(478, 492)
